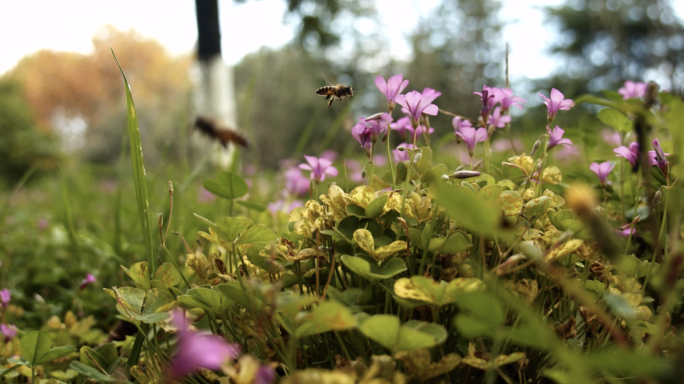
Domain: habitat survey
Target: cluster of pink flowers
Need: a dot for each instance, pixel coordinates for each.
(9, 331)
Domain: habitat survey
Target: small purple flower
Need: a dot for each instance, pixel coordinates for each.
(353, 170)
(458, 123)
(198, 351)
(402, 155)
(329, 154)
(5, 297)
(507, 99)
(393, 87)
(414, 133)
(471, 136)
(364, 135)
(265, 374)
(9, 331)
(87, 281)
(318, 167)
(632, 154)
(43, 224)
(611, 137)
(633, 90)
(498, 120)
(380, 160)
(556, 138)
(602, 170)
(556, 103)
(416, 104)
(660, 159)
(295, 182)
(568, 153)
(401, 126)
(625, 230)
(502, 145)
(490, 97)
(205, 196)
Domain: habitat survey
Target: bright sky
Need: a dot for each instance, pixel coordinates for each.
(27, 26)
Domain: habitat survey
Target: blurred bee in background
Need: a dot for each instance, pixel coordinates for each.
(332, 92)
(223, 135)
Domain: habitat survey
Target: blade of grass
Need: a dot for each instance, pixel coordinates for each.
(141, 198)
(68, 215)
(138, 171)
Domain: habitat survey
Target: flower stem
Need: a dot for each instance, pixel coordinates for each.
(406, 183)
(372, 166)
(486, 156)
(389, 156)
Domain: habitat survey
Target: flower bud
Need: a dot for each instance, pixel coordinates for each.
(637, 219)
(363, 173)
(401, 148)
(377, 116)
(170, 188)
(160, 219)
(656, 197)
(477, 165)
(535, 147)
(464, 174)
(445, 177)
(417, 157)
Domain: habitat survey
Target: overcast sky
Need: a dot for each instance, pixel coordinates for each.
(68, 25)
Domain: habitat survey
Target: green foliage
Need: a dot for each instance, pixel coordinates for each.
(23, 144)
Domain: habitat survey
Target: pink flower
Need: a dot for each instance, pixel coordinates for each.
(43, 224)
(502, 145)
(87, 281)
(556, 138)
(205, 196)
(611, 137)
(9, 331)
(402, 155)
(660, 159)
(329, 154)
(265, 374)
(632, 154)
(567, 153)
(625, 230)
(416, 104)
(198, 351)
(392, 88)
(602, 170)
(490, 97)
(5, 297)
(497, 120)
(415, 133)
(318, 167)
(402, 125)
(295, 182)
(556, 103)
(471, 137)
(633, 90)
(380, 160)
(507, 99)
(353, 170)
(458, 122)
(364, 135)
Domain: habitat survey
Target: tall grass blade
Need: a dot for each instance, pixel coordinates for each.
(138, 171)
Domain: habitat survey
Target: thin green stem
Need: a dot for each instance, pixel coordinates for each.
(389, 156)
(175, 265)
(406, 183)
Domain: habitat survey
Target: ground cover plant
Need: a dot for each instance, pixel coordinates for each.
(489, 271)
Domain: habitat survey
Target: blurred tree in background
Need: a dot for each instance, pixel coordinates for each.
(80, 96)
(605, 42)
(23, 143)
(457, 50)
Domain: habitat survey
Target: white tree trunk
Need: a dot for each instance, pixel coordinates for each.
(215, 99)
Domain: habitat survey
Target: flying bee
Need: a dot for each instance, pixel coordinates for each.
(332, 92)
(221, 134)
